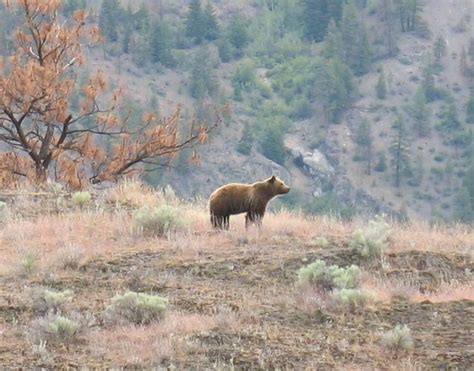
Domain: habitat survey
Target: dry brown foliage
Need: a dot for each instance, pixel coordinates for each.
(37, 83)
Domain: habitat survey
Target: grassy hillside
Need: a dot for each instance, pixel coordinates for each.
(235, 299)
(278, 105)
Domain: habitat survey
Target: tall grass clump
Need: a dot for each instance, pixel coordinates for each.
(370, 242)
(159, 220)
(398, 339)
(81, 198)
(136, 308)
(320, 275)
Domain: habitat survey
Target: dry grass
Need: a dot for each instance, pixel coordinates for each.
(421, 236)
(142, 345)
(244, 280)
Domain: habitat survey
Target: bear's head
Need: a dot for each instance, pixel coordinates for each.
(278, 186)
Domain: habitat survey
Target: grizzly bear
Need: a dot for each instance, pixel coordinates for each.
(236, 198)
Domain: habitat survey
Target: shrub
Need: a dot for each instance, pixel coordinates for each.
(370, 242)
(29, 263)
(158, 220)
(62, 328)
(137, 308)
(46, 300)
(4, 212)
(399, 338)
(351, 298)
(81, 198)
(53, 328)
(318, 274)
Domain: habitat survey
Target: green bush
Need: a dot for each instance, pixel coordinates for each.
(62, 328)
(29, 263)
(137, 308)
(351, 298)
(399, 338)
(369, 242)
(51, 301)
(320, 275)
(158, 221)
(81, 198)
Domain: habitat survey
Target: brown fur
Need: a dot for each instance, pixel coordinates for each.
(236, 198)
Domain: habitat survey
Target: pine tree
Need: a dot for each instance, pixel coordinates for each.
(238, 32)
(141, 20)
(388, 15)
(317, 14)
(335, 88)
(160, 44)
(70, 6)
(428, 84)
(463, 206)
(381, 165)
(440, 48)
(400, 152)
(356, 43)
(420, 114)
(381, 87)
(363, 140)
(211, 26)
(333, 44)
(203, 80)
(195, 28)
(450, 119)
(470, 107)
(128, 29)
(109, 19)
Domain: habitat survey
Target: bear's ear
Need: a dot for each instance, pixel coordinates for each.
(272, 179)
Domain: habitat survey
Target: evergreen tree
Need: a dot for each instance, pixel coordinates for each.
(128, 29)
(420, 114)
(225, 49)
(363, 140)
(468, 181)
(238, 32)
(470, 107)
(381, 87)
(428, 84)
(317, 14)
(463, 206)
(203, 80)
(70, 6)
(440, 48)
(109, 19)
(400, 152)
(210, 24)
(381, 165)
(450, 119)
(141, 20)
(160, 44)
(408, 11)
(356, 43)
(334, 87)
(195, 27)
(333, 44)
(272, 144)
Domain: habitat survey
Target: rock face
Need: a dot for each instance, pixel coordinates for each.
(326, 177)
